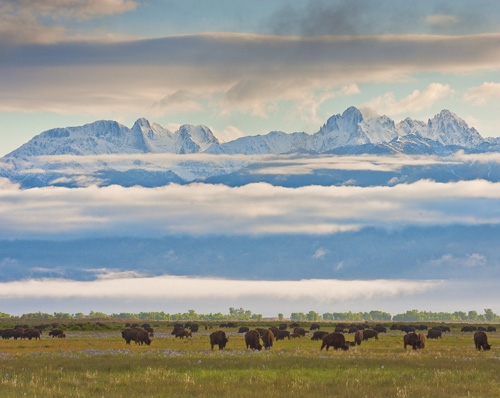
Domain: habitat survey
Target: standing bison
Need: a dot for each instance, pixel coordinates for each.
(142, 337)
(369, 333)
(252, 340)
(434, 333)
(358, 337)
(481, 341)
(319, 334)
(129, 335)
(412, 340)
(218, 338)
(55, 332)
(268, 338)
(335, 340)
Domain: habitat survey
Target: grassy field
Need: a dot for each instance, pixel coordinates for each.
(99, 364)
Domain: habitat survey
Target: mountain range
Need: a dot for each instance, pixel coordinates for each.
(107, 152)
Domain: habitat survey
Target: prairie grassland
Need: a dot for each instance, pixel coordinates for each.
(100, 364)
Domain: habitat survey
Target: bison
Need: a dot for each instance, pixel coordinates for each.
(369, 333)
(300, 331)
(282, 334)
(61, 336)
(218, 338)
(183, 333)
(335, 340)
(142, 337)
(129, 335)
(243, 329)
(55, 332)
(413, 340)
(319, 334)
(421, 337)
(314, 326)
(32, 334)
(481, 341)
(434, 333)
(268, 338)
(358, 337)
(252, 340)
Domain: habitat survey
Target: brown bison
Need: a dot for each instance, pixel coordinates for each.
(434, 333)
(55, 332)
(282, 334)
(300, 331)
(295, 336)
(412, 340)
(243, 329)
(283, 326)
(358, 337)
(314, 326)
(481, 341)
(183, 333)
(335, 340)
(252, 340)
(421, 337)
(370, 333)
(142, 337)
(129, 335)
(319, 334)
(268, 338)
(218, 338)
(32, 334)
(61, 336)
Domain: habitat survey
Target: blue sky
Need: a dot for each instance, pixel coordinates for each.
(246, 68)
(241, 67)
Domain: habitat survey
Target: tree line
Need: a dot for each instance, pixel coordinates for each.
(311, 316)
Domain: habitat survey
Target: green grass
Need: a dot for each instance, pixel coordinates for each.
(100, 364)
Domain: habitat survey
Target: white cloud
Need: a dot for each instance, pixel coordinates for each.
(469, 261)
(230, 133)
(442, 19)
(260, 208)
(486, 92)
(416, 101)
(177, 287)
(319, 253)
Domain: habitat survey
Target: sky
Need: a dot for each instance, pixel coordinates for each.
(244, 68)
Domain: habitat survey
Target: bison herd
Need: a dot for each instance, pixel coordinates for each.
(259, 338)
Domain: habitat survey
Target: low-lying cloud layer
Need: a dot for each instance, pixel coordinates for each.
(260, 208)
(175, 287)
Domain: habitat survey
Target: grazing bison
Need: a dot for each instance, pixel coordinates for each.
(252, 340)
(295, 336)
(283, 326)
(412, 340)
(319, 334)
(218, 338)
(55, 332)
(142, 337)
(194, 327)
(369, 333)
(129, 335)
(434, 333)
(183, 333)
(468, 329)
(339, 329)
(421, 337)
(481, 341)
(300, 331)
(335, 340)
(282, 334)
(17, 334)
(491, 329)
(243, 329)
(314, 326)
(61, 336)
(358, 337)
(274, 329)
(380, 328)
(32, 334)
(268, 338)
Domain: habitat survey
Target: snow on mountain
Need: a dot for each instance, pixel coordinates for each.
(128, 156)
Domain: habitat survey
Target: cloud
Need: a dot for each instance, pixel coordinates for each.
(442, 19)
(230, 133)
(469, 261)
(486, 92)
(176, 287)
(260, 208)
(228, 72)
(43, 21)
(320, 253)
(416, 101)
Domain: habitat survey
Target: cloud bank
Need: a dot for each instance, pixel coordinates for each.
(260, 208)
